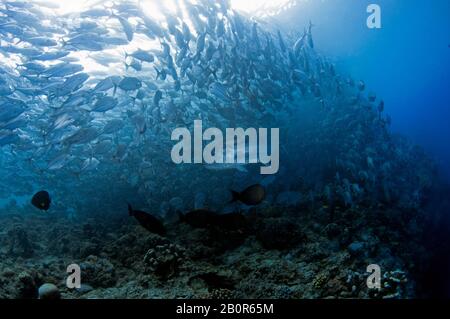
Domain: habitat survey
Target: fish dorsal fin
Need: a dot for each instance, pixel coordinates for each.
(130, 209)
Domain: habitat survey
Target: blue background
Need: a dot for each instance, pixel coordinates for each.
(406, 62)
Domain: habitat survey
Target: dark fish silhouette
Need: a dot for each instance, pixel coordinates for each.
(199, 218)
(149, 222)
(232, 221)
(203, 218)
(41, 200)
(252, 195)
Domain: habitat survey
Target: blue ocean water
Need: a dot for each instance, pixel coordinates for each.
(406, 62)
(90, 99)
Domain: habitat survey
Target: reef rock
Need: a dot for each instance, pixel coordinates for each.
(49, 291)
(279, 233)
(98, 272)
(164, 260)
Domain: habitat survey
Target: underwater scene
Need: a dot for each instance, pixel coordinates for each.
(224, 149)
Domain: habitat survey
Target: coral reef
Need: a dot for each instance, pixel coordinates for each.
(164, 260)
(98, 272)
(278, 233)
(284, 254)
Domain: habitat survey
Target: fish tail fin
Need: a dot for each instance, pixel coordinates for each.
(235, 196)
(64, 42)
(158, 73)
(130, 209)
(214, 73)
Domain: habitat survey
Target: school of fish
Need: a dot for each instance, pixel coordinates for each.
(88, 101)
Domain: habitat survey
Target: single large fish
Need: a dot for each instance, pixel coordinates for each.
(149, 222)
(41, 200)
(252, 195)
